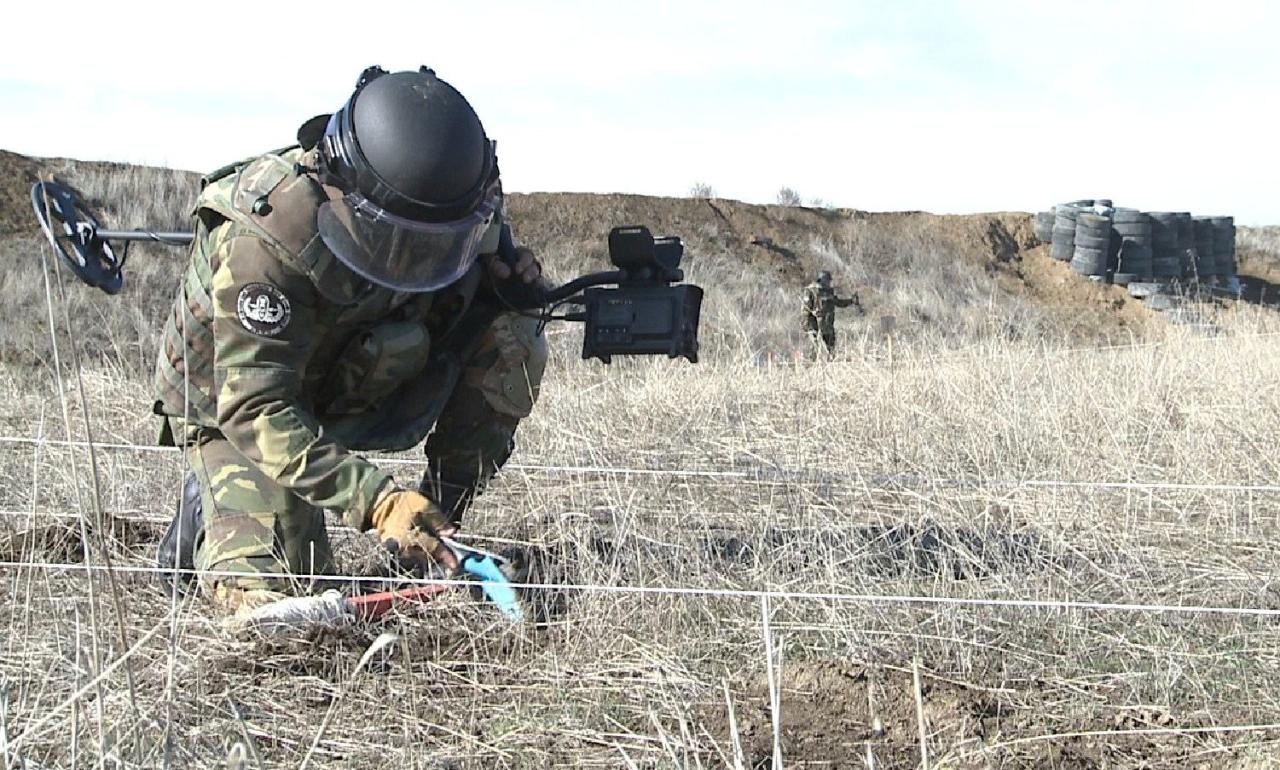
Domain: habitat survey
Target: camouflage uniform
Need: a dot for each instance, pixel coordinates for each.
(819, 314)
(277, 361)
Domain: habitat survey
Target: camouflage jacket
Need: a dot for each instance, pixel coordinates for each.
(820, 303)
(294, 358)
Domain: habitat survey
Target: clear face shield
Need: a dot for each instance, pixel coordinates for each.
(403, 254)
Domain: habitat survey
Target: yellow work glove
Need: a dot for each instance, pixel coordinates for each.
(409, 526)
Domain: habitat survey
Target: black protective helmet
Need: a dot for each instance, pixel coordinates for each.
(418, 177)
(824, 276)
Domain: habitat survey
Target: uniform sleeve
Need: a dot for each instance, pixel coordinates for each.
(264, 319)
(810, 301)
(475, 434)
(846, 302)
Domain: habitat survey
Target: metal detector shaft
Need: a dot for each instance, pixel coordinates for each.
(171, 238)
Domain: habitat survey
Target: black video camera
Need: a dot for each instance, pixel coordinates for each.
(649, 312)
(639, 309)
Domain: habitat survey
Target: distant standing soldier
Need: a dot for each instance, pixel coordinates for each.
(820, 303)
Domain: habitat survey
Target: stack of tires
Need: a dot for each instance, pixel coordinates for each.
(1043, 226)
(1224, 245)
(1132, 245)
(1093, 252)
(1064, 231)
(1186, 246)
(1206, 242)
(1133, 229)
(1166, 257)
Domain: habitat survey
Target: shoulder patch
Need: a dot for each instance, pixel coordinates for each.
(263, 309)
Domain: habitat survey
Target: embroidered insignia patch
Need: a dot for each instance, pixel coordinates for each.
(263, 309)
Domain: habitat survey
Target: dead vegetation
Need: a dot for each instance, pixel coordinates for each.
(957, 466)
(952, 280)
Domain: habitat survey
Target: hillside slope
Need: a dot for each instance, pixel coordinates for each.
(949, 279)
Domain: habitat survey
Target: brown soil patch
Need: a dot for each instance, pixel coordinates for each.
(835, 714)
(17, 174)
(1084, 307)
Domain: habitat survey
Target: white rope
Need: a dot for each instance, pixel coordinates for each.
(877, 480)
(701, 592)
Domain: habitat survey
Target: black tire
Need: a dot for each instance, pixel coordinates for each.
(1092, 242)
(1135, 254)
(1089, 261)
(1133, 227)
(1140, 236)
(1061, 251)
(1042, 226)
(1089, 232)
(1162, 302)
(1102, 202)
(1124, 279)
(1091, 252)
(1129, 215)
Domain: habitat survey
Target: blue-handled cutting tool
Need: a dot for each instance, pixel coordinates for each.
(486, 568)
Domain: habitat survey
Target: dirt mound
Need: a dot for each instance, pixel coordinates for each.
(17, 174)
(838, 714)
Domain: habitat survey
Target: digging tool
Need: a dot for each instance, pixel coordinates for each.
(491, 571)
(331, 607)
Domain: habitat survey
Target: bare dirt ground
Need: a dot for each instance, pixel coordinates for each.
(923, 503)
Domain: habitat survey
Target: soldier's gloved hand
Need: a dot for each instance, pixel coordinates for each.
(526, 266)
(410, 526)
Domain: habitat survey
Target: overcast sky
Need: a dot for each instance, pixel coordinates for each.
(940, 106)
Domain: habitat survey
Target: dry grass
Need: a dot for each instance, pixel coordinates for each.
(834, 497)
(1265, 240)
(846, 483)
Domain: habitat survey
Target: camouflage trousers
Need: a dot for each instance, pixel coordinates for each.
(827, 335)
(252, 525)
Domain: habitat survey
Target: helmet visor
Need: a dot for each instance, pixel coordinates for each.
(403, 254)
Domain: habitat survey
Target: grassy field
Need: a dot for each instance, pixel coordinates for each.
(956, 464)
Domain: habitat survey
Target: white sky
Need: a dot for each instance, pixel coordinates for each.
(940, 106)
